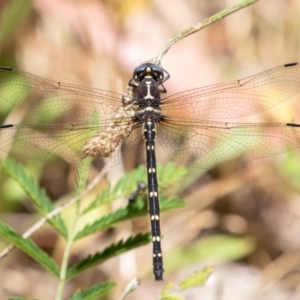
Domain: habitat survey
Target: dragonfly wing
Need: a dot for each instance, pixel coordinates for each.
(238, 98)
(208, 143)
(63, 143)
(52, 100)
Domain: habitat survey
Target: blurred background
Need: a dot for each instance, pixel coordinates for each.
(243, 220)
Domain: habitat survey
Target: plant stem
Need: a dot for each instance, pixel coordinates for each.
(186, 32)
(64, 265)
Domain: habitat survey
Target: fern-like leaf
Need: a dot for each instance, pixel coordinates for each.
(171, 297)
(111, 251)
(29, 248)
(38, 196)
(94, 292)
(170, 174)
(197, 278)
(122, 188)
(113, 218)
(132, 210)
(167, 294)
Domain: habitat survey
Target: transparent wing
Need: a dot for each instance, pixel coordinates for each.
(70, 109)
(235, 99)
(51, 99)
(203, 144)
(60, 143)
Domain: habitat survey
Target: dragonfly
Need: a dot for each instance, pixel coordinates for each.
(196, 127)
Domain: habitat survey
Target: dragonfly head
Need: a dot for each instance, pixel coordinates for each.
(149, 70)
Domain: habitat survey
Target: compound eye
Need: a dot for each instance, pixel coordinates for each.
(142, 75)
(158, 75)
(158, 72)
(157, 69)
(138, 72)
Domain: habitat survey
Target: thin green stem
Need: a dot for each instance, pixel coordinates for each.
(186, 32)
(81, 177)
(64, 265)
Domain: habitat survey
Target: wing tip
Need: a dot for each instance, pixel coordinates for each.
(290, 64)
(6, 68)
(293, 124)
(6, 126)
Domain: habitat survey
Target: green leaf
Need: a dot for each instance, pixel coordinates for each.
(167, 203)
(122, 188)
(82, 173)
(111, 251)
(111, 219)
(83, 169)
(94, 292)
(170, 173)
(197, 278)
(37, 195)
(129, 182)
(132, 210)
(105, 197)
(18, 173)
(218, 248)
(193, 280)
(29, 248)
(166, 293)
(170, 297)
(167, 288)
(223, 247)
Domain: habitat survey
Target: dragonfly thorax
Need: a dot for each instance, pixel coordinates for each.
(148, 91)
